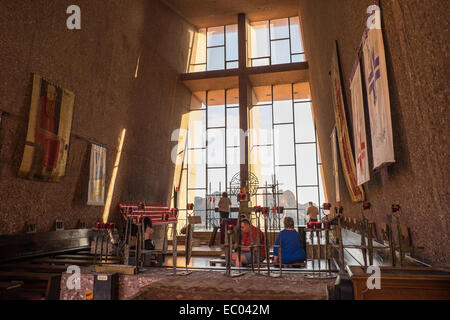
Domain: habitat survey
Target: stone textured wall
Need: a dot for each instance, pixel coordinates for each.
(98, 64)
(416, 35)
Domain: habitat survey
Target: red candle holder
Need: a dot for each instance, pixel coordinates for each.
(326, 206)
(317, 225)
(366, 206)
(243, 197)
(395, 208)
(190, 206)
(310, 225)
(230, 227)
(280, 210)
(257, 209)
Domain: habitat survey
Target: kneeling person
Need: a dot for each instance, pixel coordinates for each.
(291, 244)
(245, 250)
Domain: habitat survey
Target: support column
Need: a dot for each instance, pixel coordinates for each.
(244, 96)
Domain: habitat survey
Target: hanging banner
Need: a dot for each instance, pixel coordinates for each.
(48, 135)
(359, 126)
(376, 80)
(334, 153)
(97, 176)
(345, 149)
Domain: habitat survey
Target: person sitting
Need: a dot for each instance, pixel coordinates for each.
(291, 244)
(246, 255)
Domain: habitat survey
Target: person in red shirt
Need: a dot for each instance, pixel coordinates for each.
(245, 242)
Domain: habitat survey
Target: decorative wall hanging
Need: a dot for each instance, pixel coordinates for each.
(359, 126)
(97, 176)
(48, 136)
(347, 160)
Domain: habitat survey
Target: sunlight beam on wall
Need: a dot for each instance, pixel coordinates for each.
(113, 177)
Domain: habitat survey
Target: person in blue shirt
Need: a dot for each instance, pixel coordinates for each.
(291, 244)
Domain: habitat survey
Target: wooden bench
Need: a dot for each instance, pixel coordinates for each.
(52, 281)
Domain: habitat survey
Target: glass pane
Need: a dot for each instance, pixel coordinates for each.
(261, 163)
(259, 35)
(216, 181)
(284, 144)
(197, 68)
(232, 42)
(261, 125)
(216, 116)
(279, 29)
(260, 62)
(216, 58)
(296, 39)
(282, 111)
(197, 129)
(197, 197)
(216, 147)
(233, 160)
(232, 65)
(196, 169)
(216, 36)
(306, 165)
(306, 194)
(304, 125)
(281, 52)
(216, 108)
(286, 179)
(233, 131)
(232, 98)
(199, 52)
(298, 58)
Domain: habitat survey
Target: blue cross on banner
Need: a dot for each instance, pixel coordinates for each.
(378, 97)
(374, 75)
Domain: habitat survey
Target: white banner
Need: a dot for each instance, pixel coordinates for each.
(375, 73)
(359, 127)
(97, 176)
(335, 164)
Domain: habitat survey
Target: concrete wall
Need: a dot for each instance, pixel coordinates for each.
(416, 37)
(98, 64)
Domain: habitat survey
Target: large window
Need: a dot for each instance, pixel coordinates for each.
(213, 155)
(275, 42)
(215, 49)
(284, 149)
(270, 42)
